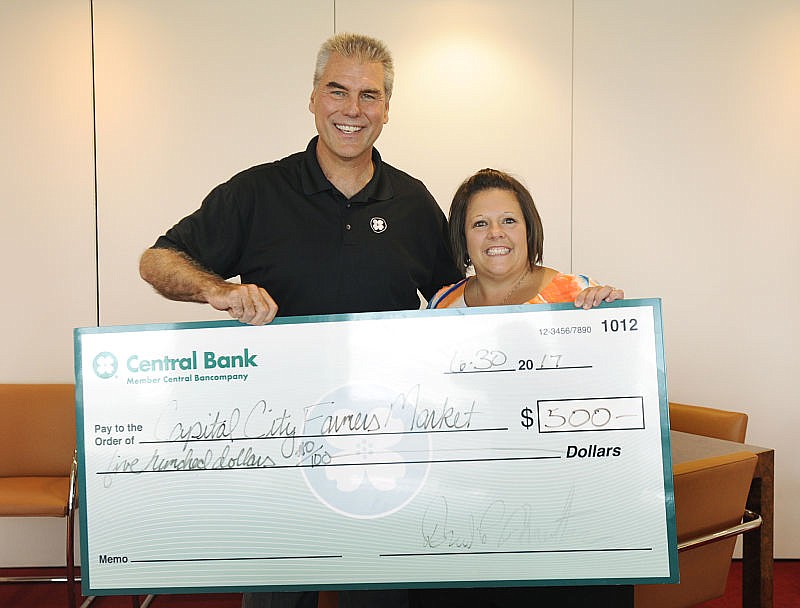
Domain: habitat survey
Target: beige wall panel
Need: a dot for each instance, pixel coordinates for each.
(479, 84)
(189, 92)
(47, 214)
(686, 184)
(47, 235)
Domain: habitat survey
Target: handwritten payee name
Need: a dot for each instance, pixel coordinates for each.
(262, 421)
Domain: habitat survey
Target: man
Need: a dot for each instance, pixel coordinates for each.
(333, 229)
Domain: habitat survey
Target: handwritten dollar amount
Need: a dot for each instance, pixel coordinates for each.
(591, 413)
(571, 418)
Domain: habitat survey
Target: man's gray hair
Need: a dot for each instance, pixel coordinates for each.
(358, 46)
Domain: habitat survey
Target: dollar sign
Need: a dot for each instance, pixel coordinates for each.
(527, 417)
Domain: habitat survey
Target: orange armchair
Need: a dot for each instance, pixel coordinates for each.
(708, 421)
(710, 496)
(37, 461)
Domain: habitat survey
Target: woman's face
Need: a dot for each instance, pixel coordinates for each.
(496, 234)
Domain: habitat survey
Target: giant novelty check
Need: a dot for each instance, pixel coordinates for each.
(523, 445)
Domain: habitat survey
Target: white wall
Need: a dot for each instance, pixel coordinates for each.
(479, 84)
(687, 186)
(664, 163)
(47, 219)
(188, 93)
(47, 227)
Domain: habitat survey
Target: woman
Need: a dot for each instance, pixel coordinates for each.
(495, 228)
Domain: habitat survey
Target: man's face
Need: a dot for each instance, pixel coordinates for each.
(350, 108)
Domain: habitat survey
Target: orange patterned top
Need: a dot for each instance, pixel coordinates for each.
(563, 288)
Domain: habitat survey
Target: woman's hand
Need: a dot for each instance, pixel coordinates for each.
(592, 296)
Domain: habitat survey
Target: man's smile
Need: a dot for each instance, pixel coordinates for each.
(348, 128)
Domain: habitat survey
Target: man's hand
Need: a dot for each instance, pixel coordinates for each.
(592, 296)
(178, 277)
(248, 303)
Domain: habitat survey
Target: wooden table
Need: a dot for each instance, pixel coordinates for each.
(757, 553)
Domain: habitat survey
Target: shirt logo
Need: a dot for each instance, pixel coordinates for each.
(378, 225)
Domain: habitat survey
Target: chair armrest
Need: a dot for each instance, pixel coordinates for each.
(750, 521)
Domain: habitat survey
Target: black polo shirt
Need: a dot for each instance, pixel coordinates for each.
(283, 226)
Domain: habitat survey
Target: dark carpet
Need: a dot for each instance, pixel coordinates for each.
(53, 595)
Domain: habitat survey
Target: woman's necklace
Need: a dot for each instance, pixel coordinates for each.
(510, 292)
(516, 286)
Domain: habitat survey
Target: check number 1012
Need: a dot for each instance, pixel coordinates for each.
(618, 325)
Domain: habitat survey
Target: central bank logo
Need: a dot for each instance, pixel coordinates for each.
(105, 365)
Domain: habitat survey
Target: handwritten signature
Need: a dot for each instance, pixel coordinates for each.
(498, 526)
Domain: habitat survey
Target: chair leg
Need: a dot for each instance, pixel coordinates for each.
(71, 595)
(145, 603)
(71, 602)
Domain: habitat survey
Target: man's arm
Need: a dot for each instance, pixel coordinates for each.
(176, 276)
